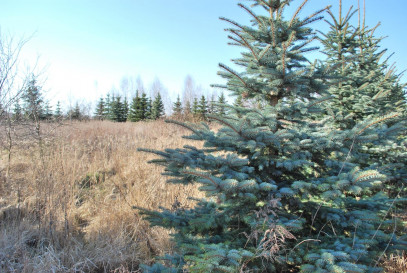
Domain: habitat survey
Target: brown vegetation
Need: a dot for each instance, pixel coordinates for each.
(67, 204)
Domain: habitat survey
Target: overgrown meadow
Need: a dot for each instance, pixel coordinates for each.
(66, 205)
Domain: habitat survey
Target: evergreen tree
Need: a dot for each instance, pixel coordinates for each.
(149, 111)
(157, 110)
(195, 108)
(33, 108)
(135, 112)
(107, 107)
(221, 103)
(126, 108)
(58, 111)
(177, 108)
(187, 108)
(202, 108)
(145, 107)
(117, 112)
(48, 111)
(75, 113)
(363, 85)
(366, 88)
(100, 110)
(211, 105)
(281, 195)
(17, 114)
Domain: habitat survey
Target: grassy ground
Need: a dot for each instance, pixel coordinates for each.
(66, 205)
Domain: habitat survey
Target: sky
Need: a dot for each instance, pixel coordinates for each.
(85, 48)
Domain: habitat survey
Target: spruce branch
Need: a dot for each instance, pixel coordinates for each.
(264, 52)
(224, 122)
(237, 76)
(313, 17)
(246, 43)
(238, 43)
(297, 12)
(251, 13)
(202, 175)
(390, 116)
(320, 100)
(231, 22)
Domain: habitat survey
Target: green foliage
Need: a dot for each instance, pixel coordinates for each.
(75, 113)
(47, 111)
(177, 108)
(365, 90)
(118, 110)
(157, 110)
(33, 101)
(221, 108)
(187, 108)
(107, 108)
(195, 108)
(17, 113)
(58, 111)
(100, 110)
(288, 187)
(136, 112)
(202, 108)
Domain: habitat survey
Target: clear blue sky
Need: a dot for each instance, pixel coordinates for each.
(88, 46)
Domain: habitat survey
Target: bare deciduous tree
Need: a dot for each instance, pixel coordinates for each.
(12, 79)
(140, 85)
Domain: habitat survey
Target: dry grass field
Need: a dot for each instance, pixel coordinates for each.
(66, 205)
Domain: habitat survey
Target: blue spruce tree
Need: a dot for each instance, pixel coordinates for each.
(366, 88)
(281, 195)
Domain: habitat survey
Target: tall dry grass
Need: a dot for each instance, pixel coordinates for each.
(67, 204)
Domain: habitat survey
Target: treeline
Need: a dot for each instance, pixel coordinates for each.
(31, 105)
(140, 108)
(115, 108)
(198, 109)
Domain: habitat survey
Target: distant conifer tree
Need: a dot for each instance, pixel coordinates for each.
(187, 108)
(145, 107)
(17, 113)
(221, 104)
(157, 108)
(177, 108)
(100, 110)
(58, 111)
(126, 108)
(135, 109)
(107, 108)
(33, 101)
(75, 113)
(117, 112)
(48, 115)
(202, 108)
(211, 105)
(195, 108)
